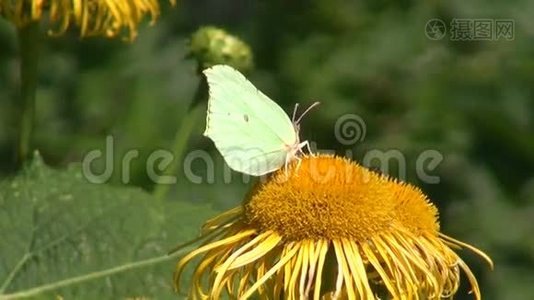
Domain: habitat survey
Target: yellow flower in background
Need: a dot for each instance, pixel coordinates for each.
(94, 17)
(329, 229)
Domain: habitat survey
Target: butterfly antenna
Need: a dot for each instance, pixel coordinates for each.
(294, 112)
(307, 110)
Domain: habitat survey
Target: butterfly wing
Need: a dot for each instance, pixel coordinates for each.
(250, 130)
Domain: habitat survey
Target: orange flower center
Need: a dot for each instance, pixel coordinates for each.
(327, 197)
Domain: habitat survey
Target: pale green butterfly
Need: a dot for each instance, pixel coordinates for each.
(254, 135)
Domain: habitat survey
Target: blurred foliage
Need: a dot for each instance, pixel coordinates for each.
(471, 101)
(55, 226)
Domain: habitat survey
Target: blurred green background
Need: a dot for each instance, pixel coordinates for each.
(473, 101)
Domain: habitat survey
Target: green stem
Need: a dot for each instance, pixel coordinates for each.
(91, 276)
(29, 43)
(182, 136)
(14, 272)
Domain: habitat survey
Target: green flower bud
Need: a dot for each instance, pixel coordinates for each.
(210, 46)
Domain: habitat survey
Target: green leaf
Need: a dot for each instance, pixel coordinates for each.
(63, 236)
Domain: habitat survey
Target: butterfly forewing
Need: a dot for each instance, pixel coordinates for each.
(250, 130)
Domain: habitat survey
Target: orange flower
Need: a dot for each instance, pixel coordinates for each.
(329, 228)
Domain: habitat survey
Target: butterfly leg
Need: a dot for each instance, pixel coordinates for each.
(307, 145)
(299, 161)
(309, 149)
(286, 162)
